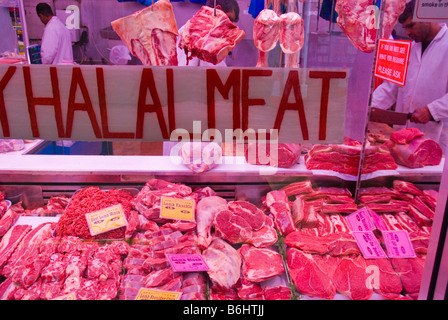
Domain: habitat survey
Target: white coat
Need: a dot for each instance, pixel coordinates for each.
(426, 85)
(56, 44)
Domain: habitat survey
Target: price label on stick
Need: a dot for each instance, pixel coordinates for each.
(153, 294)
(369, 245)
(179, 209)
(360, 220)
(398, 244)
(187, 262)
(106, 219)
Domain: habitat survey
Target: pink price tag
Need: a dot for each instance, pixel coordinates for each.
(360, 220)
(398, 244)
(369, 245)
(187, 262)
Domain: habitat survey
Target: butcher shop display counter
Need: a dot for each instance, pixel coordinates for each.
(276, 185)
(233, 218)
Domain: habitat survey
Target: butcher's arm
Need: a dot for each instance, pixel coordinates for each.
(385, 95)
(439, 108)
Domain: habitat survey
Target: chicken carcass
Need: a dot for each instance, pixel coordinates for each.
(150, 34)
(210, 37)
(206, 210)
(266, 34)
(292, 37)
(355, 18)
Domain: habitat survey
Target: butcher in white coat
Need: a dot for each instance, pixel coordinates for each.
(56, 47)
(425, 93)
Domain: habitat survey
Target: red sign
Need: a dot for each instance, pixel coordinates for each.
(392, 60)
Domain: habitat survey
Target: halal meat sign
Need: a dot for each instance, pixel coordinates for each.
(392, 60)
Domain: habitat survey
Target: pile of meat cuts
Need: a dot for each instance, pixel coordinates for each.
(345, 158)
(296, 244)
(151, 34)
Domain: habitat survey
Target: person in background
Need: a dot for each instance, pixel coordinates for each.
(8, 37)
(56, 44)
(425, 93)
(232, 10)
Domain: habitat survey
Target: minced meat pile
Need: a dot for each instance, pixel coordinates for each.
(73, 221)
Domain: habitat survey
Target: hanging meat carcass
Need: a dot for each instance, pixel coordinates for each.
(292, 37)
(358, 20)
(210, 35)
(150, 34)
(266, 34)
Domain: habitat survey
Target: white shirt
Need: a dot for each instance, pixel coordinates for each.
(56, 45)
(194, 61)
(426, 84)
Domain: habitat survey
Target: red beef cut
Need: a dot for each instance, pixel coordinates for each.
(411, 149)
(350, 277)
(279, 206)
(239, 226)
(308, 272)
(210, 37)
(260, 264)
(281, 155)
(384, 279)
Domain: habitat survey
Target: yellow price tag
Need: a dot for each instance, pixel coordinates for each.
(179, 209)
(70, 296)
(106, 219)
(153, 294)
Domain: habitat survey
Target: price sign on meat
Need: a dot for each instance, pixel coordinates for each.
(360, 221)
(179, 209)
(106, 219)
(187, 262)
(392, 60)
(398, 244)
(369, 244)
(153, 294)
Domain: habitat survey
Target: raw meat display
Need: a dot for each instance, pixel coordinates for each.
(208, 36)
(292, 37)
(150, 34)
(308, 272)
(266, 34)
(260, 264)
(90, 199)
(358, 21)
(280, 208)
(410, 148)
(298, 243)
(206, 210)
(7, 221)
(281, 155)
(345, 158)
(225, 264)
(243, 222)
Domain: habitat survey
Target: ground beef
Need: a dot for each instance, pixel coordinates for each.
(73, 221)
